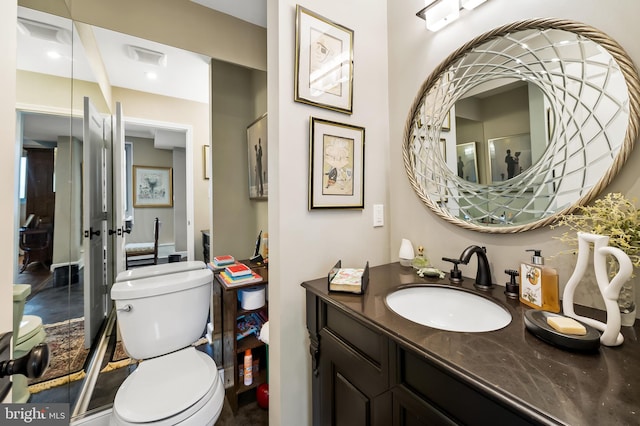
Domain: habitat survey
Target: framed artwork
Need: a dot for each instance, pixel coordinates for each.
(336, 165)
(443, 149)
(324, 62)
(509, 156)
(206, 161)
(467, 161)
(257, 155)
(153, 186)
(446, 124)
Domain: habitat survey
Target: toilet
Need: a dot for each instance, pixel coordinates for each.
(157, 270)
(159, 317)
(163, 269)
(30, 332)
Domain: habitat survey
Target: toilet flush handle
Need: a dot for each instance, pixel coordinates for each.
(125, 308)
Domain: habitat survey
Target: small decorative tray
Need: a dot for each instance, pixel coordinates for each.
(536, 322)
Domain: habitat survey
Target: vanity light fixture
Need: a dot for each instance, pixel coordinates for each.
(471, 4)
(440, 13)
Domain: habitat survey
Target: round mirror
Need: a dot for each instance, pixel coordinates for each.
(522, 124)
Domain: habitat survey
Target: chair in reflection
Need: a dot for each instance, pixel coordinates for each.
(140, 252)
(35, 242)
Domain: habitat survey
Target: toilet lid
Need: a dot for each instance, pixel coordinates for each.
(163, 387)
(29, 327)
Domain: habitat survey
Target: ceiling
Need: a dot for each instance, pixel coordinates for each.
(254, 11)
(179, 73)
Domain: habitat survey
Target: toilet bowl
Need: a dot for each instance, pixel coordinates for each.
(159, 317)
(31, 333)
(193, 395)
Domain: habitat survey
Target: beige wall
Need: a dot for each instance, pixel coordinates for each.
(305, 244)
(8, 160)
(52, 93)
(414, 52)
(67, 230)
(238, 99)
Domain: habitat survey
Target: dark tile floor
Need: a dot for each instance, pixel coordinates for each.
(55, 304)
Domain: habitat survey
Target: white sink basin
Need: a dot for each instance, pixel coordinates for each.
(448, 308)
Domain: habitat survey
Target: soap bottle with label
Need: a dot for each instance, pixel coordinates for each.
(539, 284)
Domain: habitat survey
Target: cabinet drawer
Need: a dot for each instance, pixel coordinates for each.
(370, 344)
(410, 410)
(456, 398)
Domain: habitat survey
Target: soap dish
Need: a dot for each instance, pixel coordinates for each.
(536, 322)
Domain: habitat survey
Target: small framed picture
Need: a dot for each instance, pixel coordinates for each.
(152, 186)
(446, 124)
(257, 155)
(509, 156)
(324, 62)
(336, 165)
(467, 161)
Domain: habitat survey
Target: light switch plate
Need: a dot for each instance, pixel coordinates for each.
(378, 215)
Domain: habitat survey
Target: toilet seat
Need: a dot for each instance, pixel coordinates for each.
(30, 326)
(181, 386)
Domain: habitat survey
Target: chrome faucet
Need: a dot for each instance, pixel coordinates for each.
(483, 276)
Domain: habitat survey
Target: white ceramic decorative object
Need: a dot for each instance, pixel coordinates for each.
(406, 253)
(610, 290)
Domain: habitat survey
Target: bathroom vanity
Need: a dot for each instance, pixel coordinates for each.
(370, 366)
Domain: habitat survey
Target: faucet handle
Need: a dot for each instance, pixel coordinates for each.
(455, 275)
(512, 289)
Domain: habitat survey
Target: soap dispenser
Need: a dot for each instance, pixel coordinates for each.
(539, 284)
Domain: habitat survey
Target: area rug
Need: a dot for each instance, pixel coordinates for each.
(119, 353)
(67, 355)
(120, 358)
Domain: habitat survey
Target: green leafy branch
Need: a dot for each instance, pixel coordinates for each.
(614, 216)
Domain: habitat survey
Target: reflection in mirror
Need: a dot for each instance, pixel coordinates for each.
(545, 114)
(502, 115)
(45, 160)
(49, 114)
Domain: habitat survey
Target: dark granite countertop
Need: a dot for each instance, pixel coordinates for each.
(549, 383)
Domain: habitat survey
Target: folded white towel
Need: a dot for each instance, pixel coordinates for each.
(264, 333)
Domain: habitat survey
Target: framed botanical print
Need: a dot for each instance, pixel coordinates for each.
(336, 165)
(152, 186)
(324, 62)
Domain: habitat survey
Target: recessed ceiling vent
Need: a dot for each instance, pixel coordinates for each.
(44, 31)
(147, 56)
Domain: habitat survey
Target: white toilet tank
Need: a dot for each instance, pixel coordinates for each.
(158, 315)
(161, 269)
